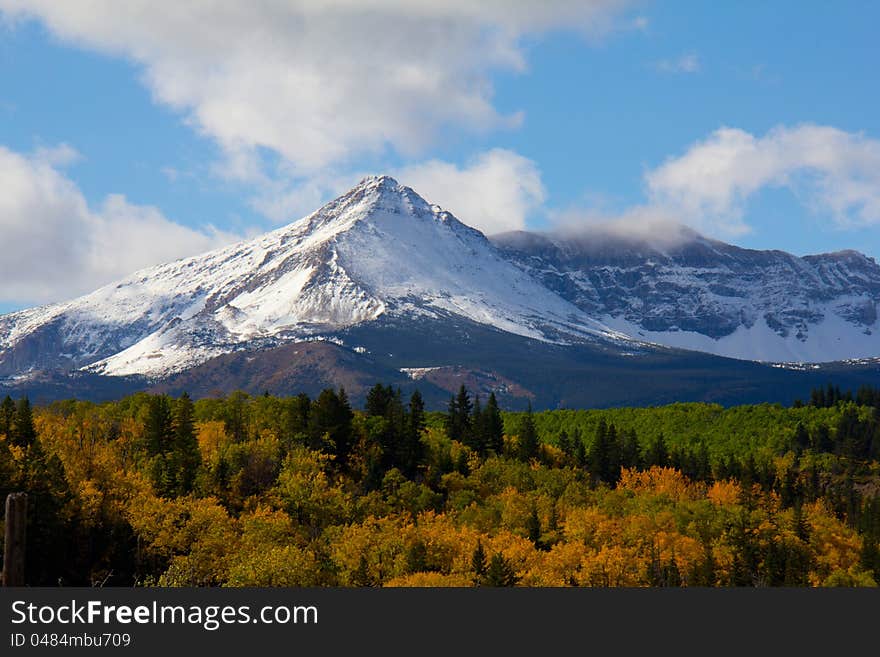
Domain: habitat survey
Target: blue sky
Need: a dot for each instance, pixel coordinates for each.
(150, 136)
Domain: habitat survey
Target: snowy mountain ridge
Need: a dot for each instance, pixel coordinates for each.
(381, 255)
(705, 295)
(378, 250)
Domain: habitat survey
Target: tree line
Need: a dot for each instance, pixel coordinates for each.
(264, 490)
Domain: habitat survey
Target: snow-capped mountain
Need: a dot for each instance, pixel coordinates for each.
(392, 285)
(378, 251)
(705, 295)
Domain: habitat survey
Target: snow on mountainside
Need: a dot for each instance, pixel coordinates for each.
(701, 294)
(378, 250)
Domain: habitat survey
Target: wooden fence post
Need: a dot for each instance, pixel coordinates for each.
(14, 547)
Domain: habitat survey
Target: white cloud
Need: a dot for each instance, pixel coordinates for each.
(832, 172)
(283, 200)
(494, 192)
(686, 63)
(60, 155)
(654, 225)
(320, 81)
(55, 246)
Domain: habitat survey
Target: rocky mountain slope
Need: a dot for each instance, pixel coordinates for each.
(380, 285)
(706, 295)
(379, 250)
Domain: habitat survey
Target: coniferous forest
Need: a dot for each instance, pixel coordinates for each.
(267, 491)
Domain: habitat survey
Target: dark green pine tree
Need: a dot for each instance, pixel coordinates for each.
(7, 417)
(611, 473)
(832, 395)
(476, 439)
(158, 433)
(330, 424)
(578, 450)
(602, 457)
(657, 453)
(465, 410)
(630, 453)
(458, 418)
(297, 419)
(361, 576)
(395, 430)
(235, 418)
(704, 572)
(494, 425)
(528, 436)
(8, 471)
(869, 556)
(564, 444)
(186, 455)
(379, 398)
(801, 438)
(9, 474)
(533, 527)
(23, 432)
(703, 462)
(500, 572)
(412, 449)
(48, 532)
(821, 439)
(451, 422)
(417, 557)
(478, 564)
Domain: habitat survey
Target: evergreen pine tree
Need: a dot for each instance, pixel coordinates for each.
(236, 416)
(361, 576)
(528, 436)
(500, 572)
(657, 453)
(478, 563)
(630, 453)
(330, 420)
(703, 469)
(602, 457)
(417, 557)
(297, 420)
(23, 431)
(158, 434)
(822, 438)
(187, 457)
(533, 527)
(45, 482)
(801, 437)
(830, 399)
(7, 417)
(612, 471)
(578, 450)
(8, 470)
(461, 419)
(412, 450)
(563, 443)
(476, 439)
(378, 399)
(801, 526)
(452, 422)
(494, 425)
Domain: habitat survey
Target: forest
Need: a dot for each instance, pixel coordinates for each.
(266, 491)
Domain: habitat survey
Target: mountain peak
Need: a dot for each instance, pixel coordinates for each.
(378, 181)
(378, 198)
(379, 249)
